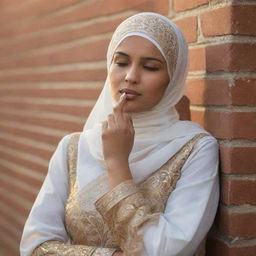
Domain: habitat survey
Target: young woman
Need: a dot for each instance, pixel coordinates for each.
(136, 181)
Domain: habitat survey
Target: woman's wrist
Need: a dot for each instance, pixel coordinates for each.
(116, 165)
(118, 172)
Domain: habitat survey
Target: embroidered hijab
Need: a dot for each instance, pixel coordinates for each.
(158, 130)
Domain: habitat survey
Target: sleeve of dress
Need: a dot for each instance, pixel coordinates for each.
(44, 231)
(188, 216)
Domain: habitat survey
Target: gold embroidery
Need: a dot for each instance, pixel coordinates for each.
(56, 248)
(104, 252)
(83, 223)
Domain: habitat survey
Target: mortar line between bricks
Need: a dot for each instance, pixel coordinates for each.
(9, 210)
(30, 128)
(19, 183)
(43, 114)
(244, 208)
(224, 108)
(244, 177)
(224, 39)
(221, 74)
(31, 142)
(19, 198)
(50, 85)
(24, 170)
(46, 100)
(237, 143)
(89, 65)
(234, 243)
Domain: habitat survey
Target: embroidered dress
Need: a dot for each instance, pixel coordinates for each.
(97, 221)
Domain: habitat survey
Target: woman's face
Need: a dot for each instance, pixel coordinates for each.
(139, 70)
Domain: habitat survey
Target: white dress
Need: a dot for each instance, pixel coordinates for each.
(168, 214)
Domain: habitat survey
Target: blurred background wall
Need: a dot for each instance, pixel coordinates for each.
(52, 68)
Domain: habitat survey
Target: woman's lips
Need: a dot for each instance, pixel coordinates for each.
(130, 94)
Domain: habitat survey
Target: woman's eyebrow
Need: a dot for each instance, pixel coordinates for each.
(122, 53)
(144, 58)
(152, 58)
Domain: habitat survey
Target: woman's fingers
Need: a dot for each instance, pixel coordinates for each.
(111, 121)
(104, 126)
(119, 107)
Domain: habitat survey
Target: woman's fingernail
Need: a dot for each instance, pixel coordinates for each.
(122, 97)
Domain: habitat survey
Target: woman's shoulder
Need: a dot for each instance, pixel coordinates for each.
(191, 129)
(203, 139)
(66, 139)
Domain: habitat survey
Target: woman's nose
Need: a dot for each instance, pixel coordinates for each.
(132, 75)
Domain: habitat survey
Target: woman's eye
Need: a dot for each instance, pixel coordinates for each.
(121, 64)
(151, 68)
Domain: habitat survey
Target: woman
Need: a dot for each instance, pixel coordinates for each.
(136, 181)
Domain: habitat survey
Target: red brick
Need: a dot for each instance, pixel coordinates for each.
(182, 5)
(68, 126)
(238, 160)
(22, 192)
(16, 129)
(222, 92)
(219, 247)
(40, 152)
(231, 57)
(68, 93)
(232, 19)
(68, 109)
(226, 124)
(32, 165)
(188, 26)
(208, 92)
(7, 198)
(7, 5)
(32, 181)
(244, 92)
(58, 76)
(92, 51)
(161, 6)
(238, 191)
(9, 216)
(240, 224)
(197, 56)
(9, 248)
(10, 232)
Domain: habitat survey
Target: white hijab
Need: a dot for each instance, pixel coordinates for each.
(158, 132)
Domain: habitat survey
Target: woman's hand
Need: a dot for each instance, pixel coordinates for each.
(117, 143)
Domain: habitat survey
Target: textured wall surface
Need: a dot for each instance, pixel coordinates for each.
(52, 68)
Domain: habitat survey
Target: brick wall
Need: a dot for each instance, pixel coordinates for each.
(52, 67)
(222, 93)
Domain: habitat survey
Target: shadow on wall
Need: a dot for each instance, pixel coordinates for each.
(183, 108)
